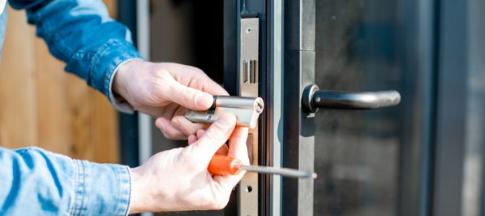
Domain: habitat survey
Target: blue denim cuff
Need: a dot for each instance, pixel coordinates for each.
(101, 189)
(106, 60)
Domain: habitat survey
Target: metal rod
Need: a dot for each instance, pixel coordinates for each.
(279, 171)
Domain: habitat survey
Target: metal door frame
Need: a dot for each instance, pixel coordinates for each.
(234, 12)
(274, 117)
(270, 13)
(287, 50)
(299, 128)
(451, 92)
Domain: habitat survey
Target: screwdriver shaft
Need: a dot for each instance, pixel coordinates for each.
(278, 171)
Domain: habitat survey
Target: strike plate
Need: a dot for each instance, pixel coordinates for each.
(248, 87)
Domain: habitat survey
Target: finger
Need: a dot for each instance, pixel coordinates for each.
(237, 149)
(192, 139)
(237, 144)
(215, 136)
(168, 130)
(200, 133)
(223, 150)
(189, 97)
(176, 113)
(169, 111)
(209, 86)
(195, 78)
(185, 126)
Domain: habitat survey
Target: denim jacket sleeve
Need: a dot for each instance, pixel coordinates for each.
(37, 182)
(81, 33)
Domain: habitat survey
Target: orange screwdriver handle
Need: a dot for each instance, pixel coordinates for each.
(223, 165)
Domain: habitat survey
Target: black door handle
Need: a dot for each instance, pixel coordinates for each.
(313, 98)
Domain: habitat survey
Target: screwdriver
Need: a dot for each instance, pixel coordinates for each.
(226, 165)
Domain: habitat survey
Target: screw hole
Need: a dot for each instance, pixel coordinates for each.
(249, 189)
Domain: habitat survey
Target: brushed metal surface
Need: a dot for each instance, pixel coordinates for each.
(248, 86)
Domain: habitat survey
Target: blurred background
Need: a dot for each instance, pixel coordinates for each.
(44, 106)
(424, 157)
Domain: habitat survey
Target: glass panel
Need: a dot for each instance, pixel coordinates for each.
(475, 118)
(357, 152)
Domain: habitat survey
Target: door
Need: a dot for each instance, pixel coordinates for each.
(307, 48)
(371, 153)
(358, 152)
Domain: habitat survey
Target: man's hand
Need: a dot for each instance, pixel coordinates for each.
(165, 90)
(178, 180)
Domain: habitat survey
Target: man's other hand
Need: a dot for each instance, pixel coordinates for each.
(165, 91)
(178, 180)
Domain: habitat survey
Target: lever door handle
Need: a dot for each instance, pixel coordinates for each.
(313, 98)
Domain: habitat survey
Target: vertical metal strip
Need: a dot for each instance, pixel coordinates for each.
(142, 20)
(143, 44)
(451, 107)
(299, 128)
(248, 86)
(418, 57)
(276, 69)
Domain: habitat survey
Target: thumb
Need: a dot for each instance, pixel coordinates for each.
(215, 136)
(190, 98)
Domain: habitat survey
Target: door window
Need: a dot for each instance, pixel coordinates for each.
(357, 152)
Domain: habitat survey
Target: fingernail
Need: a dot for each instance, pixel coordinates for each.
(158, 123)
(204, 100)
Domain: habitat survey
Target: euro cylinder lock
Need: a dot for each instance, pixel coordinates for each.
(246, 109)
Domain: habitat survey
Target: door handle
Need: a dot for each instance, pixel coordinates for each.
(313, 98)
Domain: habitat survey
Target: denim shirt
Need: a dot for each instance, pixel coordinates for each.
(37, 182)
